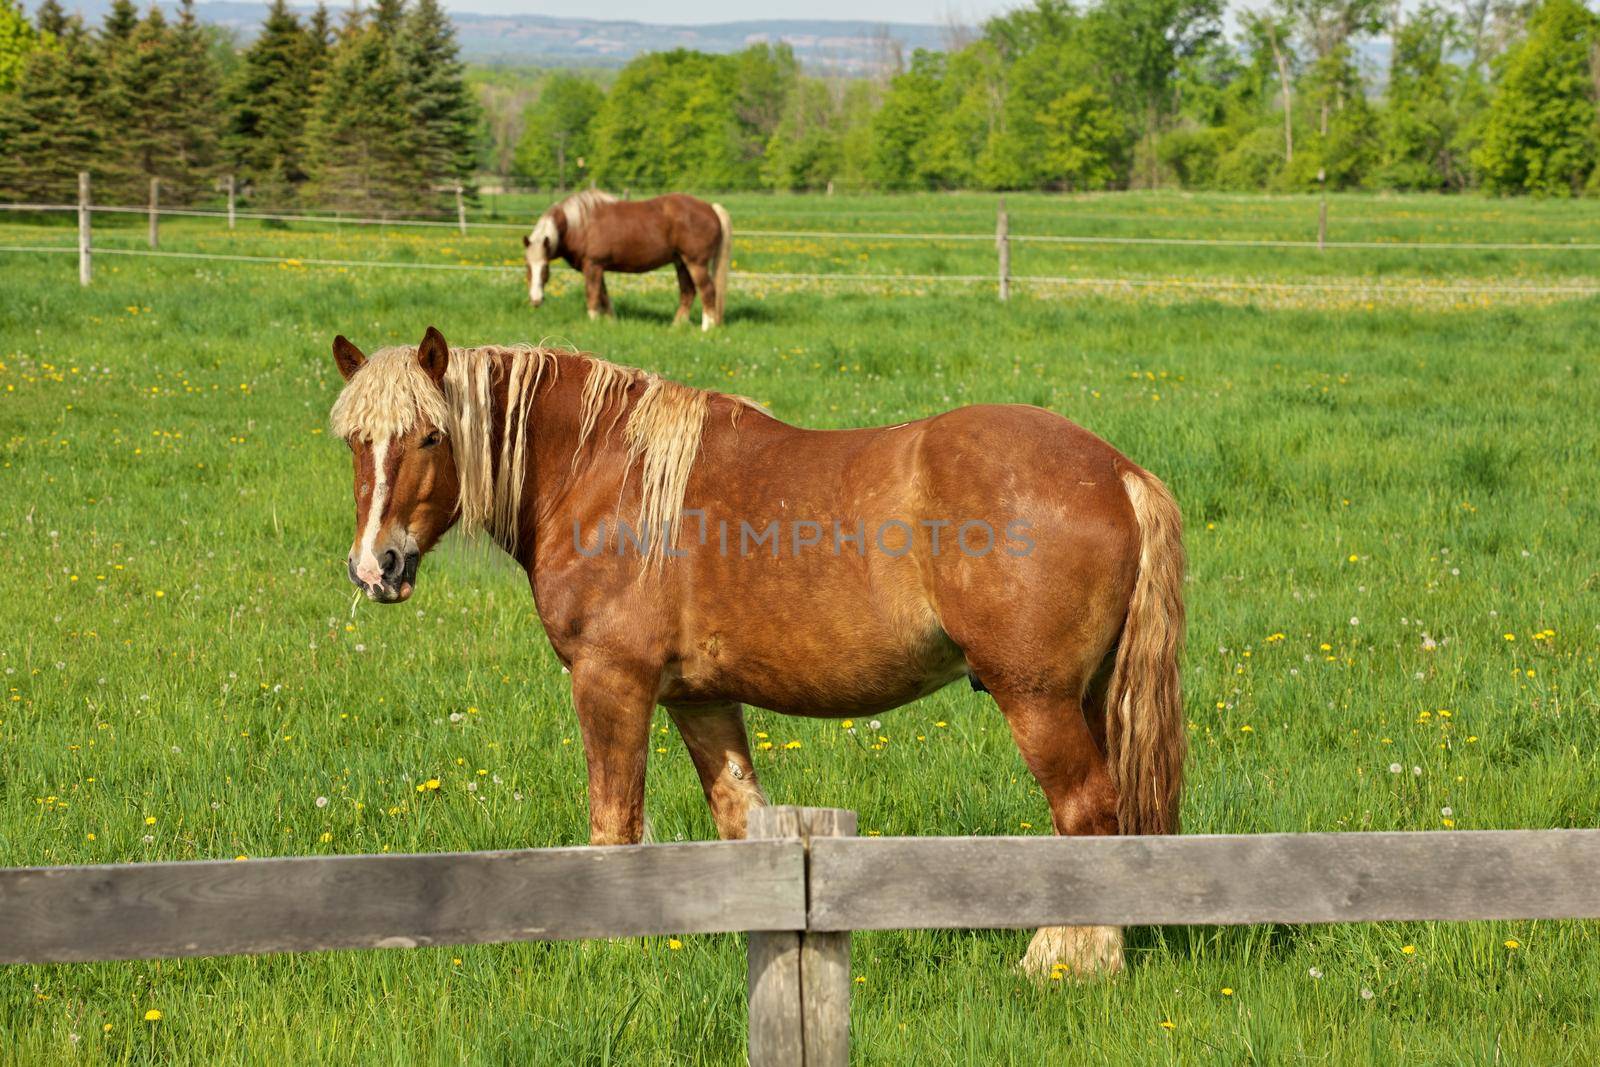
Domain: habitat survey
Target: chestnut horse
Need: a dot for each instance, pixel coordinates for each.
(687, 549)
(595, 232)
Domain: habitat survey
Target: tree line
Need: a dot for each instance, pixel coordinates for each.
(375, 114)
(1493, 94)
(370, 115)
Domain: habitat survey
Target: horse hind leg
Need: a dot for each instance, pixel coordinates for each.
(715, 738)
(1060, 748)
(685, 293)
(703, 281)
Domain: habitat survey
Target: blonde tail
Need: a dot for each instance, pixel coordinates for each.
(724, 255)
(1144, 704)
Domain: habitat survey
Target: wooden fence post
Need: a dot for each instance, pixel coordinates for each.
(232, 190)
(155, 203)
(461, 210)
(799, 981)
(1002, 240)
(85, 266)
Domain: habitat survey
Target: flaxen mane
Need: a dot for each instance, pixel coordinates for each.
(390, 394)
(577, 206)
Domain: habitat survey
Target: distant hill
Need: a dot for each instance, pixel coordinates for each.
(841, 47)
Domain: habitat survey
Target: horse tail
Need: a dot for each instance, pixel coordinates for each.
(1144, 702)
(724, 254)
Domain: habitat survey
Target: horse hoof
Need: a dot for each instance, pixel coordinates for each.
(1077, 952)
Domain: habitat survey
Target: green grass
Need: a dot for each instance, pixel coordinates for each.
(179, 643)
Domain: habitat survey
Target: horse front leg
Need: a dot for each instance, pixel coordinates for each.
(685, 293)
(594, 291)
(614, 707)
(715, 738)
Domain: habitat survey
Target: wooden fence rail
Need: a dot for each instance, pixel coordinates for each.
(799, 885)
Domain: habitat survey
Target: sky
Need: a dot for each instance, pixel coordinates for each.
(937, 12)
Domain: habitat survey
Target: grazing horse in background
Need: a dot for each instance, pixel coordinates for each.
(687, 549)
(596, 232)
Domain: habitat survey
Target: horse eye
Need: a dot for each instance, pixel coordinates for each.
(432, 439)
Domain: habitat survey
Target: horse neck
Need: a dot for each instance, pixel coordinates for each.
(553, 440)
(570, 241)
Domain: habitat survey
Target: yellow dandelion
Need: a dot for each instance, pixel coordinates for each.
(1168, 1024)
(674, 944)
(1409, 950)
(1513, 944)
(153, 1015)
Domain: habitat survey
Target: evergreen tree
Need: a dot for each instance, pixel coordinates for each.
(121, 21)
(268, 104)
(557, 135)
(141, 129)
(52, 21)
(388, 18)
(358, 143)
(194, 84)
(50, 127)
(319, 36)
(1539, 135)
(443, 114)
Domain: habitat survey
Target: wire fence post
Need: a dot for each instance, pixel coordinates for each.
(461, 210)
(231, 200)
(85, 267)
(1322, 210)
(1002, 240)
(155, 204)
(800, 981)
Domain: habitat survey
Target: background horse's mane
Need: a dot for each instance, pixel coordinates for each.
(577, 206)
(391, 392)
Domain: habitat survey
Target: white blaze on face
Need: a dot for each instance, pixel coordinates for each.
(543, 236)
(367, 567)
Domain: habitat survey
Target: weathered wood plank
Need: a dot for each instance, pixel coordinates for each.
(930, 882)
(825, 962)
(777, 1036)
(65, 914)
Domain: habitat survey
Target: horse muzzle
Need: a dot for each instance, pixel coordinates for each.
(398, 579)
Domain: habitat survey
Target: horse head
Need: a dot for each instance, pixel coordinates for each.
(538, 249)
(394, 416)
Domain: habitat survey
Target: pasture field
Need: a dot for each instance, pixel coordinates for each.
(1393, 520)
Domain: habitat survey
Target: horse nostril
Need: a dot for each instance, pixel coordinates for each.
(391, 563)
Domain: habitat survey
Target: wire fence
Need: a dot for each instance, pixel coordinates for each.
(930, 236)
(1004, 279)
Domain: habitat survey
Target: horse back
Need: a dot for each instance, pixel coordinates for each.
(643, 235)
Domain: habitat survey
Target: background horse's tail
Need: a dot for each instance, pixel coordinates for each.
(724, 254)
(1144, 704)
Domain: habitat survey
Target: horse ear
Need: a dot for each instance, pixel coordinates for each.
(347, 357)
(527, 239)
(434, 354)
